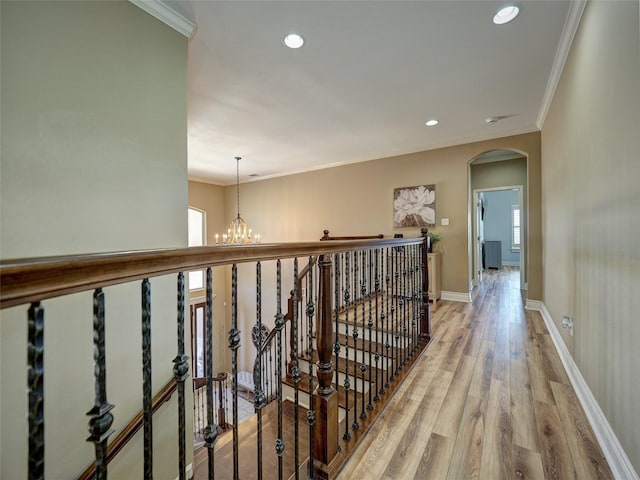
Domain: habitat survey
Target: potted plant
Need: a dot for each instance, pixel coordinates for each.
(434, 237)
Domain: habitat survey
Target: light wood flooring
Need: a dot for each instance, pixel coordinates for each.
(489, 399)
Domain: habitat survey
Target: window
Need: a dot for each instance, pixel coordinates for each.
(197, 238)
(515, 228)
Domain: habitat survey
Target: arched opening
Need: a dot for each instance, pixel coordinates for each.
(498, 210)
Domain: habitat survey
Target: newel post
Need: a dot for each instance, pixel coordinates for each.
(425, 326)
(325, 399)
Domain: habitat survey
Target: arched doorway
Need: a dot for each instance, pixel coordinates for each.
(498, 190)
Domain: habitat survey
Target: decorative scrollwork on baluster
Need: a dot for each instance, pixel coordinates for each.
(279, 323)
(296, 375)
(355, 425)
(211, 430)
(347, 383)
(180, 374)
(387, 344)
(379, 300)
(370, 325)
(101, 418)
(234, 345)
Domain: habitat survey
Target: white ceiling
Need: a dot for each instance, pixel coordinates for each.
(368, 77)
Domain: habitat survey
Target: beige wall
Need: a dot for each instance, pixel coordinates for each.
(357, 199)
(591, 140)
(93, 160)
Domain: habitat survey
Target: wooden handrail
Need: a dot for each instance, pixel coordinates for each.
(326, 237)
(199, 382)
(31, 280)
(127, 433)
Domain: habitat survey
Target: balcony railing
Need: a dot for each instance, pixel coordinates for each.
(353, 319)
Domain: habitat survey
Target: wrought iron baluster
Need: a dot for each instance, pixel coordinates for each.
(180, 374)
(279, 324)
(397, 319)
(394, 319)
(257, 373)
(35, 382)
(146, 379)
(234, 344)
(347, 382)
(211, 430)
(101, 418)
(416, 298)
(370, 325)
(296, 371)
(389, 296)
(363, 366)
(336, 346)
(311, 415)
(376, 397)
(355, 425)
(405, 329)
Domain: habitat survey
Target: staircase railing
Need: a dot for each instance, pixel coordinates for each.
(127, 433)
(388, 281)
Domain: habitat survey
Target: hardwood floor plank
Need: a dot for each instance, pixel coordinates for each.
(551, 361)
(467, 451)
(527, 465)
(436, 458)
(456, 350)
(540, 385)
(448, 422)
(481, 379)
(502, 353)
(556, 457)
(587, 455)
(403, 463)
(497, 451)
(371, 458)
(523, 420)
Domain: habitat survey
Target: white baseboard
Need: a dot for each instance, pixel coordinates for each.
(619, 462)
(510, 264)
(456, 296)
(534, 305)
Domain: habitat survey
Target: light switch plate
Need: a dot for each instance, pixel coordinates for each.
(444, 221)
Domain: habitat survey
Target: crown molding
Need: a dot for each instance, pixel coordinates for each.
(576, 8)
(167, 16)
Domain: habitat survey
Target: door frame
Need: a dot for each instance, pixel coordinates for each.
(477, 244)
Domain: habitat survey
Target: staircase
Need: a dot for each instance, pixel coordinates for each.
(375, 354)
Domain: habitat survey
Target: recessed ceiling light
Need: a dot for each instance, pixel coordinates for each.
(293, 40)
(432, 123)
(506, 14)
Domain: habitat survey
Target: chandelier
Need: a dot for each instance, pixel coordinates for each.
(238, 232)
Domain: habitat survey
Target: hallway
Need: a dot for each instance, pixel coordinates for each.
(489, 399)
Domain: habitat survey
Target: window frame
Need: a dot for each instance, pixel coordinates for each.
(196, 277)
(515, 247)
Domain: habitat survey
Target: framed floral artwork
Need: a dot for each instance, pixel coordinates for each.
(414, 206)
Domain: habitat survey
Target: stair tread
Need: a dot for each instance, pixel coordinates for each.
(247, 445)
(303, 386)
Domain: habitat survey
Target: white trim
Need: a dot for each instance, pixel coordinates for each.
(618, 460)
(533, 305)
(571, 23)
(510, 264)
(166, 15)
(456, 296)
